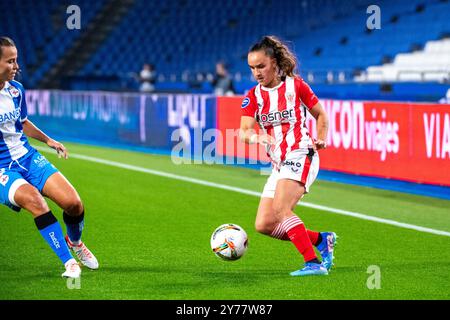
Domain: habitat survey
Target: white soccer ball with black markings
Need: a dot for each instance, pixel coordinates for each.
(229, 241)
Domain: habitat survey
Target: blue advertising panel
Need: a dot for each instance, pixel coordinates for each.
(150, 121)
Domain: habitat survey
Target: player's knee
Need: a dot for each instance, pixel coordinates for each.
(263, 226)
(259, 226)
(73, 206)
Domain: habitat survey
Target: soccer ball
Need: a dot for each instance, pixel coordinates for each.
(229, 241)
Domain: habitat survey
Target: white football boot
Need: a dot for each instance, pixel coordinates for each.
(73, 270)
(83, 253)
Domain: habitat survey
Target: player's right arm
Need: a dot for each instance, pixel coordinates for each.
(249, 135)
(34, 132)
(247, 131)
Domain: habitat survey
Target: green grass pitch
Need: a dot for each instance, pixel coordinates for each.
(151, 236)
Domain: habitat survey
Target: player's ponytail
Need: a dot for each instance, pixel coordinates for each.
(5, 42)
(275, 48)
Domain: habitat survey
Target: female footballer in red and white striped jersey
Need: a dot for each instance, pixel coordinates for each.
(279, 104)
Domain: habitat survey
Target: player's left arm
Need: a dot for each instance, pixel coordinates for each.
(318, 112)
(34, 132)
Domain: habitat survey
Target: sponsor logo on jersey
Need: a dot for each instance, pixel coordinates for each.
(245, 102)
(14, 92)
(8, 116)
(276, 117)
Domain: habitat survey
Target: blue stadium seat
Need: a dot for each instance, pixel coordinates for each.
(174, 35)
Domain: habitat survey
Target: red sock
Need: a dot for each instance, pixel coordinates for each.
(299, 237)
(313, 236)
(281, 234)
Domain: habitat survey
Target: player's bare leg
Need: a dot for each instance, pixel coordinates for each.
(287, 194)
(269, 224)
(266, 221)
(29, 198)
(59, 189)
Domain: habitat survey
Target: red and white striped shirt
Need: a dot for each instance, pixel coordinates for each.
(281, 112)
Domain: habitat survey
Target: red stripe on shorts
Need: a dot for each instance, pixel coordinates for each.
(305, 170)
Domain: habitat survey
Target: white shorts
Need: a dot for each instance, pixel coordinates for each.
(301, 165)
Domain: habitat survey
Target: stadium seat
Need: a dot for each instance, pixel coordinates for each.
(328, 36)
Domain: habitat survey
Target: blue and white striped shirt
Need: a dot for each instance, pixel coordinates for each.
(13, 111)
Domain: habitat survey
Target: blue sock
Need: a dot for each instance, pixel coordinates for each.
(52, 233)
(75, 225)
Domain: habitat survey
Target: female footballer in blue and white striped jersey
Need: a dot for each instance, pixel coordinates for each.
(26, 176)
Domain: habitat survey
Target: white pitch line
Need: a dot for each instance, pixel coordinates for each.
(249, 192)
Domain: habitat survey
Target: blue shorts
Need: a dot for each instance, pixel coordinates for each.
(32, 168)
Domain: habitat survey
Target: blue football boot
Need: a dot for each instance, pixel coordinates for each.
(326, 248)
(311, 269)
